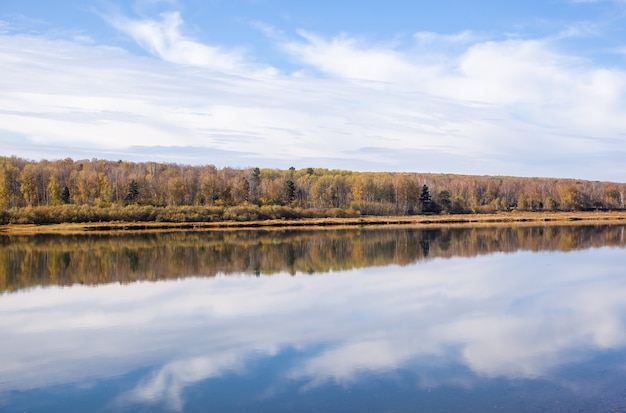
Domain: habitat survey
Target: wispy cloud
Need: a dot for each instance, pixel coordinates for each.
(342, 56)
(437, 39)
(458, 102)
(532, 88)
(164, 39)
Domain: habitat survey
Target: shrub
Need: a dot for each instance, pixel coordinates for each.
(373, 208)
(244, 212)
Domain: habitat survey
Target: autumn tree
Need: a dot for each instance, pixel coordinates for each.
(31, 183)
(9, 183)
(406, 195)
(549, 204)
(569, 197)
(241, 191)
(445, 201)
(175, 189)
(106, 183)
(55, 191)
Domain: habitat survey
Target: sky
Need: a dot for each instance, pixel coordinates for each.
(488, 87)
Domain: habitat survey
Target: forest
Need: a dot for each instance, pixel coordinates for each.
(95, 190)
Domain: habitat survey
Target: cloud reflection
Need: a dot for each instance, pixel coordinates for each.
(167, 384)
(517, 315)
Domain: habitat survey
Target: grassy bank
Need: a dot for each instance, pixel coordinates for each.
(505, 218)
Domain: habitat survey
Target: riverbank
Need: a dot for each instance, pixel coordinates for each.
(506, 218)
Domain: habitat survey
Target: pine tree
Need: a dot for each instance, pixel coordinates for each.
(290, 190)
(425, 201)
(133, 191)
(65, 195)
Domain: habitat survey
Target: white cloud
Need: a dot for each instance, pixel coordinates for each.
(448, 103)
(438, 39)
(164, 39)
(524, 89)
(341, 56)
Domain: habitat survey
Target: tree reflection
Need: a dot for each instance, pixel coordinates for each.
(43, 260)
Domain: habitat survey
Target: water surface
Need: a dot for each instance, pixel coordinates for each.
(373, 320)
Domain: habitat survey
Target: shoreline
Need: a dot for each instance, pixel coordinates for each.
(423, 221)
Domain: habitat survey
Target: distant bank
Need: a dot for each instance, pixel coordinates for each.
(422, 221)
(70, 190)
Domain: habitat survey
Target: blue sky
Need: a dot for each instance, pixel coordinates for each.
(527, 88)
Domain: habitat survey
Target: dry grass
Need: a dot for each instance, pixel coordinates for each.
(499, 219)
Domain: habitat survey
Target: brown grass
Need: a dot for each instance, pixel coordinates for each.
(498, 219)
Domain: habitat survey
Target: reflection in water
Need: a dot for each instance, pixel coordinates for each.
(96, 259)
(527, 331)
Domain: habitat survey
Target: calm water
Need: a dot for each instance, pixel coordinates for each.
(514, 320)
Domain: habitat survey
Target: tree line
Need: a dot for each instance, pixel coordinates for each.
(103, 183)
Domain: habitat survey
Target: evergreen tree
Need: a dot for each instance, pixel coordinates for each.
(256, 174)
(425, 201)
(255, 182)
(133, 191)
(65, 195)
(290, 190)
